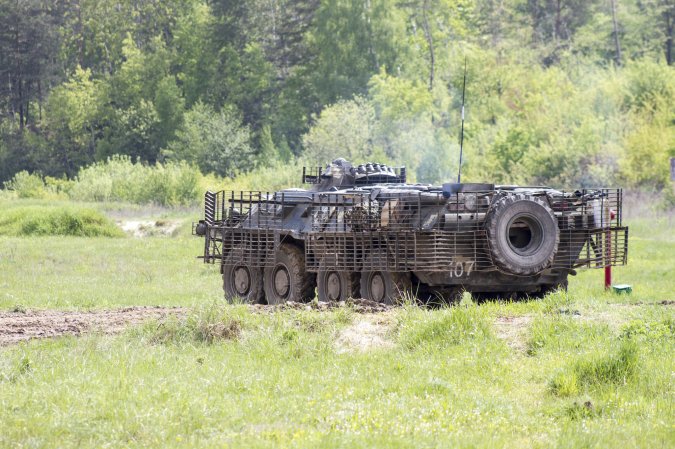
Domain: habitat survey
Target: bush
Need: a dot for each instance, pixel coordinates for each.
(27, 185)
(218, 142)
(46, 220)
(120, 179)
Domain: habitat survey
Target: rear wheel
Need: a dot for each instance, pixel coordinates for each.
(334, 285)
(242, 281)
(287, 279)
(387, 287)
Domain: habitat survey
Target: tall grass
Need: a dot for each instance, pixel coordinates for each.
(57, 220)
(442, 328)
(614, 369)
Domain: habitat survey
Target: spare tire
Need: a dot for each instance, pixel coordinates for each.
(523, 234)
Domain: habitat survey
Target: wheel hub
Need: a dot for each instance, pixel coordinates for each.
(282, 281)
(377, 288)
(333, 287)
(525, 235)
(242, 280)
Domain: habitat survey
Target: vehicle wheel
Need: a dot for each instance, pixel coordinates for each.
(287, 279)
(334, 285)
(387, 287)
(523, 234)
(242, 281)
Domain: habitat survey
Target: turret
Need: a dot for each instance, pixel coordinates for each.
(341, 174)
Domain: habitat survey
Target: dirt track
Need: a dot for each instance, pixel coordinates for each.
(20, 326)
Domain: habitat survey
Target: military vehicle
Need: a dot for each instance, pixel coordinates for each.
(361, 231)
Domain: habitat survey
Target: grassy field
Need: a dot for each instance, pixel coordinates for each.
(579, 369)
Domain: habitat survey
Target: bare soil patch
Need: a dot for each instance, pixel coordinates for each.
(21, 326)
(149, 228)
(368, 333)
(513, 330)
(18, 326)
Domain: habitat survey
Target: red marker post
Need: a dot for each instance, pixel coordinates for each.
(608, 244)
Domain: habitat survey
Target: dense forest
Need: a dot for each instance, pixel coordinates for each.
(564, 92)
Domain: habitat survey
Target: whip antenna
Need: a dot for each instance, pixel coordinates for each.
(461, 135)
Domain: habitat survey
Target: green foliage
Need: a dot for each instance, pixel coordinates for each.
(216, 141)
(559, 332)
(443, 329)
(120, 179)
(207, 325)
(229, 86)
(599, 371)
(276, 175)
(654, 330)
(647, 151)
(44, 221)
(651, 86)
(345, 129)
(27, 185)
(73, 114)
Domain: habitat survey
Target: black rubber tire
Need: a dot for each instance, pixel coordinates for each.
(241, 282)
(523, 234)
(334, 285)
(298, 285)
(393, 286)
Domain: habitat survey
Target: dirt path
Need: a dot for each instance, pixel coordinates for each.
(369, 331)
(21, 326)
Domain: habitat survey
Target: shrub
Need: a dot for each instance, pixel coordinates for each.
(27, 185)
(120, 179)
(44, 220)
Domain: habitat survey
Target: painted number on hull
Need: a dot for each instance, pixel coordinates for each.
(460, 269)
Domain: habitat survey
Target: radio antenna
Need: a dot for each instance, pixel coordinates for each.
(461, 135)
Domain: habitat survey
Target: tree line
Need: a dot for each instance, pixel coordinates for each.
(559, 91)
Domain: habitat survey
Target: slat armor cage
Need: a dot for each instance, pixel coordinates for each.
(402, 228)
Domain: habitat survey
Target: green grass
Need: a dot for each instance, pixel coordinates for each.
(590, 368)
(54, 220)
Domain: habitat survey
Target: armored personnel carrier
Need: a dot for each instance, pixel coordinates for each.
(362, 231)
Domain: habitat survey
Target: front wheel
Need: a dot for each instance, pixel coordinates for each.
(242, 281)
